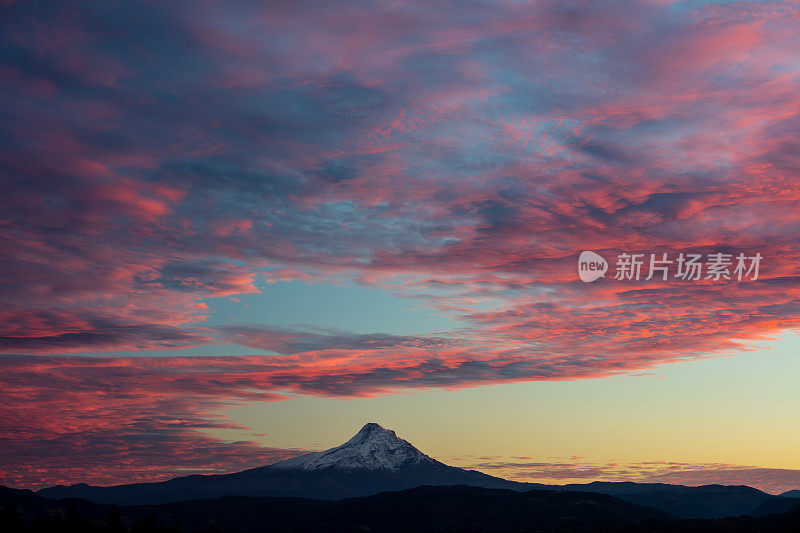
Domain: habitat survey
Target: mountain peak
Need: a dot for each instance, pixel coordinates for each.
(374, 426)
(372, 448)
(371, 430)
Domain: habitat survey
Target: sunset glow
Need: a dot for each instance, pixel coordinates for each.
(232, 232)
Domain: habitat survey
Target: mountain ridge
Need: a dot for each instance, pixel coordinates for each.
(376, 460)
(417, 510)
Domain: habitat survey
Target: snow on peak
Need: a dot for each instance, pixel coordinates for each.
(372, 448)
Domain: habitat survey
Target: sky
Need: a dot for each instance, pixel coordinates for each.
(234, 232)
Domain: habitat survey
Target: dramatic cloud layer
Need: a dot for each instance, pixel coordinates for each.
(154, 155)
(100, 420)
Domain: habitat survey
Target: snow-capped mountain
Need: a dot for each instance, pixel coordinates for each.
(372, 448)
(374, 460)
(377, 460)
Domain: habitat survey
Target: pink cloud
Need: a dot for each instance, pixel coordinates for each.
(771, 480)
(463, 161)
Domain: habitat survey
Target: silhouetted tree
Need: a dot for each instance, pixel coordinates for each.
(147, 524)
(113, 522)
(40, 524)
(11, 520)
